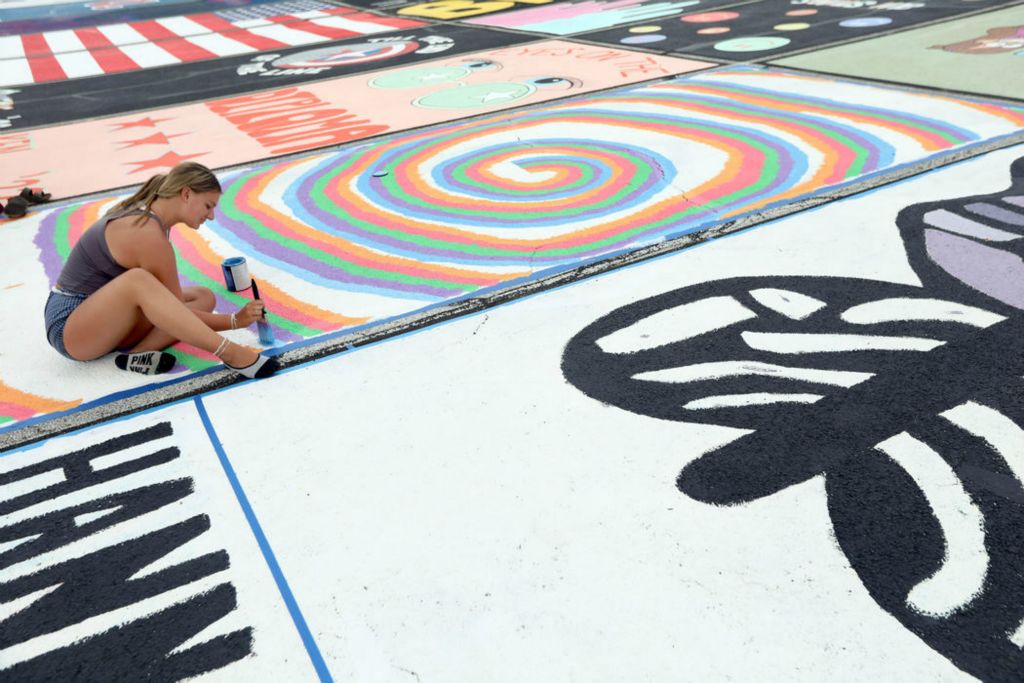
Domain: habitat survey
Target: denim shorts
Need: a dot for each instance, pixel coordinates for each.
(59, 306)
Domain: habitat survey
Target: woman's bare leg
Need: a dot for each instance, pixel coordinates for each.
(101, 323)
(146, 337)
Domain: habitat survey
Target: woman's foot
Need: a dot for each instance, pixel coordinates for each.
(237, 355)
(247, 361)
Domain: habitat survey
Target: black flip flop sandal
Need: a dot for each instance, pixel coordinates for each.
(35, 196)
(16, 207)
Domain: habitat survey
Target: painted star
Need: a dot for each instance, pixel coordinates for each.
(143, 122)
(154, 139)
(168, 160)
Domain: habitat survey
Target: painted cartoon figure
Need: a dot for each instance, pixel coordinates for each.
(995, 41)
(908, 400)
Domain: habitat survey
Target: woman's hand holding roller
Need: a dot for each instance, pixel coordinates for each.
(248, 314)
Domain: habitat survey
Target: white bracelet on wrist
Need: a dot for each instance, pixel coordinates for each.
(234, 322)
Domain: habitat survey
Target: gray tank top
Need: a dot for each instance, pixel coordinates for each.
(90, 264)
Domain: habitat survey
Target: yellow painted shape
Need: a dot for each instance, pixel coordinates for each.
(460, 9)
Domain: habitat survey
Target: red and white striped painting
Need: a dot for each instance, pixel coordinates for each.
(111, 48)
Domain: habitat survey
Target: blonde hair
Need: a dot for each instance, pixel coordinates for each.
(188, 174)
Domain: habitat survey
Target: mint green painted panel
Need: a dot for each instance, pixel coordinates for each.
(983, 54)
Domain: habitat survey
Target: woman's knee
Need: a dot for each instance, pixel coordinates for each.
(200, 298)
(139, 277)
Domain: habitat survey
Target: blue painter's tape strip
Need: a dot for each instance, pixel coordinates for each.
(268, 553)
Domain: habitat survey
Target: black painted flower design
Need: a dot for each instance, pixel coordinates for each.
(908, 400)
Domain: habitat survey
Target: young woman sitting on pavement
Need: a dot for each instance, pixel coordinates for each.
(119, 289)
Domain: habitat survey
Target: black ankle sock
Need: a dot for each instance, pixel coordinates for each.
(145, 362)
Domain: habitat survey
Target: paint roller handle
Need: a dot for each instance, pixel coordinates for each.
(256, 296)
(262, 326)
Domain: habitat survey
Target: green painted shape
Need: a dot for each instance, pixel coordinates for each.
(417, 78)
(915, 57)
(193, 363)
(60, 233)
(475, 96)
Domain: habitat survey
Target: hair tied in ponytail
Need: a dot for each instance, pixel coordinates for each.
(186, 174)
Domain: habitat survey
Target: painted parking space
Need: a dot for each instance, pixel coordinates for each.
(346, 238)
(980, 54)
(306, 115)
(134, 533)
(626, 477)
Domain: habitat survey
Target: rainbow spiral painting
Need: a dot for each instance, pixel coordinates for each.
(444, 212)
(386, 228)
